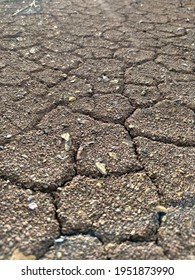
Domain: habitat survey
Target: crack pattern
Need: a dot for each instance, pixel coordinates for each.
(97, 106)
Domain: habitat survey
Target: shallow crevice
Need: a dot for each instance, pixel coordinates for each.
(14, 179)
(160, 195)
(105, 119)
(152, 179)
(185, 72)
(89, 232)
(163, 140)
(52, 194)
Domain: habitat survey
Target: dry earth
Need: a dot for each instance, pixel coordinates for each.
(97, 134)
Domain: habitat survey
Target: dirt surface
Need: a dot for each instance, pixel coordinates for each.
(97, 134)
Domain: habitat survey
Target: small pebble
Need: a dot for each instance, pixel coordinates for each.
(60, 239)
(32, 206)
(71, 98)
(32, 50)
(66, 136)
(59, 255)
(29, 199)
(101, 167)
(161, 209)
(113, 155)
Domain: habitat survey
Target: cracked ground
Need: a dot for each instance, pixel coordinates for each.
(97, 134)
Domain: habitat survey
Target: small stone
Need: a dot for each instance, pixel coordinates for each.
(161, 209)
(104, 78)
(101, 167)
(115, 81)
(32, 50)
(60, 239)
(64, 75)
(32, 206)
(59, 255)
(74, 79)
(29, 198)
(164, 218)
(132, 232)
(81, 121)
(66, 136)
(8, 136)
(113, 155)
(128, 208)
(118, 210)
(128, 143)
(61, 157)
(24, 156)
(71, 98)
(98, 184)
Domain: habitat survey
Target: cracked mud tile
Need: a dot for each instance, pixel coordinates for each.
(72, 87)
(113, 148)
(134, 251)
(94, 142)
(63, 62)
(59, 45)
(96, 42)
(16, 71)
(168, 31)
(175, 51)
(107, 108)
(11, 76)
(22, 106)
(186, 41)
(37, 159)
(166, 121)
(179, 92)
(25, 112)
(178, 77)
(176, 64)
(78, 247)
(12, 93)
(106, 75)
(137, 39)
(113, 35)
(148, 73)
(141, 96)
(49, 77)
(17, 37)
(112, 208)
(13, 60)
(171, 168)
(94, 53)
(26, 231)
(177, 234)
(133, 56)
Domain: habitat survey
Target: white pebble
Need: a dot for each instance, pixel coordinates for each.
(32, 206)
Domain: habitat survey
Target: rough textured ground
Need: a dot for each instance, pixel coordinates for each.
(97, 134)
